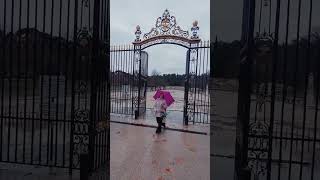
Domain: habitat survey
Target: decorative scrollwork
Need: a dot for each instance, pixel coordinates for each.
(82, 88)
(256, 164)
(135, 101)
(258, 128)
(193, 62)
(166, 30)
(258, 147)
(82, 115)
(84, 37)
(137, 56)
(263, 45)
(80, 145)
(166, 25)
(81, 135)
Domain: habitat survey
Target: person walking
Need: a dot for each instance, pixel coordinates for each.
(160, 107)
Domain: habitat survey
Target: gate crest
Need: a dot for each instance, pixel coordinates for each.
(167, 31)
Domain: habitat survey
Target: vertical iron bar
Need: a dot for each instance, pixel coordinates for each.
(127, 78)
(34, 81)
(4, 70)
(201, 81)
(41, 78)
(139, 81)
(111, 69)
(270, 8)
(197, 82)
(26, 63)
(93, 95)
(133, 84)
(100, 110)
(81, 13)
(50, 72)
(132, 95)
(116, 83)
(109, 87)
(203, 95)
(58, 85)
(260, 16)
(306, 80)
(195, 86)
(123, 79)
(66, 72)
(273, 88)
(18, 84)
(115, 76)
(132, 81)
(284, 89)
(122, 55)
(112, 59)
(244, 94)
(10, 80)
(75, 30)
(295, 88)
(119, 103)
(186, 89)
(315, 126)
(207, 80)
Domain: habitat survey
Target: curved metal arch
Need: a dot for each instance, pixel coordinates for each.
(167, 32)
(186, 43)
(181, 45)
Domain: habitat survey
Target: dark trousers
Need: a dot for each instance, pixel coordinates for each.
(159, 121)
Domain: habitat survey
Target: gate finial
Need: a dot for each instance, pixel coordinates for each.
(138, 33)
(195, 30)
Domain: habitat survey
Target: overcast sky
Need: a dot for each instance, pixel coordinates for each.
(127, 14)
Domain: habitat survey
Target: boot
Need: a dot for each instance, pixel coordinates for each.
(158, 131)
(164, 125)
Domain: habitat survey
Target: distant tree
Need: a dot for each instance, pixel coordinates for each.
(155, 73)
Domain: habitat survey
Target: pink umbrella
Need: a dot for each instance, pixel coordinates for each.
(166, 95)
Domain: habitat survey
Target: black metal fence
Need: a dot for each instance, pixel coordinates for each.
(54, 87)
(197, 98)
(278, 129)
(129, 69)
(122, 79)
(126, 74)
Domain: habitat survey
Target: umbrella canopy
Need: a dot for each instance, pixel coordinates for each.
(166, 95)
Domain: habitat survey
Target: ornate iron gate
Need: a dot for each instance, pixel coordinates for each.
(54, 83)
(129, 72)
(277, 129)
(140, 75)
(122, 61)
(197, 99)
(129, 67)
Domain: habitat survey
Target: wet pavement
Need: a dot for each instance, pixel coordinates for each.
(25, 172)
(137, 153)
(174, 121)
